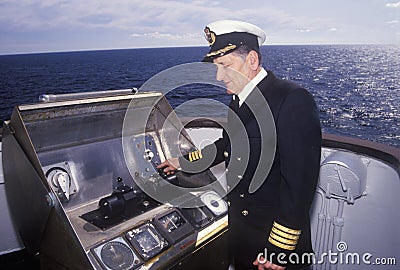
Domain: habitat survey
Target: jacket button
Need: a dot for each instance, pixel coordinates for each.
(241, 195)
(245, 213)
(239, 158)
(226, 154)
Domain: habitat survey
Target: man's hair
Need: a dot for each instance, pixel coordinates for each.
(244, 50)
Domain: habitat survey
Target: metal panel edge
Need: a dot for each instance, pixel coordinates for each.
(85, 101)
(17, 128)
(29, 214)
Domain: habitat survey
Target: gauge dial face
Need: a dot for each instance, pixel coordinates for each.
(117, 255)
(217, 205)
(147, 241)
(172, 221)
(59, 178)
(173, 225)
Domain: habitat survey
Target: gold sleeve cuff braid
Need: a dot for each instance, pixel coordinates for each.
(195, 155)
(284, 237)
(283, 234)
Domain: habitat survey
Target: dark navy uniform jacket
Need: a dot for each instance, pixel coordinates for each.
(274, 220)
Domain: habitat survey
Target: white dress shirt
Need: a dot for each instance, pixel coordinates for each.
(251, 85)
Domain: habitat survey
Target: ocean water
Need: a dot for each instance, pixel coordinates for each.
(357, 87)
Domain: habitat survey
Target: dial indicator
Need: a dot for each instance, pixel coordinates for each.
(173, 225)
(214, 202)
(117, 255)
(172, 221)
(147, 241)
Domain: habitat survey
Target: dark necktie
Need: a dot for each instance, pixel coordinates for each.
(234, 105)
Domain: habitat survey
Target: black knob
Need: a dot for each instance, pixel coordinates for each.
(162, 173)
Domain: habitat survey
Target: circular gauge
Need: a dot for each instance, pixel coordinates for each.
(147, 241)
(173, 225)
(58, 177)
(214, 203)
(117, 255)
(60, 181)
(172, 221)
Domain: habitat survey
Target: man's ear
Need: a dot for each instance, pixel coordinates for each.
(253, 60)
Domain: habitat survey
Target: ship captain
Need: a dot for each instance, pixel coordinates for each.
(269, 228)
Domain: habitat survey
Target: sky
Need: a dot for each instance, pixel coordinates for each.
(28, 26)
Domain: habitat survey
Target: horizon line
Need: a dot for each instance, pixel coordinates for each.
(193, 46)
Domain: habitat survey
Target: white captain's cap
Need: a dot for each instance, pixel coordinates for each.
(227, 35)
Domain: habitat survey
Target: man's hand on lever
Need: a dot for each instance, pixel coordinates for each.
(170, 166)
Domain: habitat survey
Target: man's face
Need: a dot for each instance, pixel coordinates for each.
(234, 71)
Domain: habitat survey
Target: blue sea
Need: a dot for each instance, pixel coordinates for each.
(357, 87)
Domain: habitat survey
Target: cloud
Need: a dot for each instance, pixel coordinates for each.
(140, 16)
(185, 36)
(97, 24)
(303, 30)
(393, 22)
(393, 5)
(126, 23)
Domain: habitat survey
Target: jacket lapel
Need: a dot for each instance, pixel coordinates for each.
(253, 100)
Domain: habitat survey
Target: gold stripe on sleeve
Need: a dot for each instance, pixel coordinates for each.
(286, 230)
(286, 235)
(280, 245)
(283, 240)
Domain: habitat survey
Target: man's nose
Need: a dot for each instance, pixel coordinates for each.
(220, 74)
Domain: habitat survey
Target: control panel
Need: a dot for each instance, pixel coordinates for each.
(134, 247)
(95, 161)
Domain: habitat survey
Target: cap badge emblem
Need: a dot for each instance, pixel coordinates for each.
(210, 36)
